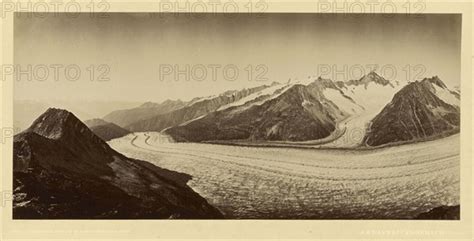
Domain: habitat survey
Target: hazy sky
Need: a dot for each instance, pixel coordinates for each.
(137, 48)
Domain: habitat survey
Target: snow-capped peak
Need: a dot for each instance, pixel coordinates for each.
(371, 77)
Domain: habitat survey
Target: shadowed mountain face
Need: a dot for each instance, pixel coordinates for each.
(441, 213)
(105, 130)
(299, 113)
(63, 170)
(145, 111)
(190, 112)
(421, 110)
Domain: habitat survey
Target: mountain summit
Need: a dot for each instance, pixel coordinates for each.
(59, 124)
(371, 77)
(421, 110)
(63, 170)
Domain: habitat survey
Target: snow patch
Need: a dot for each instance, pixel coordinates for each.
(342, 102)
(446, 96)
(266, 91)
(271, 91)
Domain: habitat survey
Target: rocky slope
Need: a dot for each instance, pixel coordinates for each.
(441, 213)
(421, 110)
(62, 170)
(106, 130)
(195, 109)
(145, 111)
(300, 112)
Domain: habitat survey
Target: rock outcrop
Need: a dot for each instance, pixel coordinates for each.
(62, 170)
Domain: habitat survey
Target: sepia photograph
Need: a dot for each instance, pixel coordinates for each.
(237, 116)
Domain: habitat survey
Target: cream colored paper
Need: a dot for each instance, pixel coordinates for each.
(247, 229)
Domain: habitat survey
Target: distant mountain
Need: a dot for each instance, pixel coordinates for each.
(147, 110)
(62, 170)
(106, 130)
(295, 112)
(197, 108)
(95, 122)
(371, 77)
(421, 110)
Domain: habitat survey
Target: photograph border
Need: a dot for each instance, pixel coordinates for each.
(246, 229)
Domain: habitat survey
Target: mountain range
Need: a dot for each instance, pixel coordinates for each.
(194, 109)
(381, 111)
(63, 170)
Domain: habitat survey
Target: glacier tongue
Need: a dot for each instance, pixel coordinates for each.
(372, 97)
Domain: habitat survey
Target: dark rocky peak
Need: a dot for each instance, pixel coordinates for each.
(434, 80)
(59, 140)
(54, 123)
(59, 124)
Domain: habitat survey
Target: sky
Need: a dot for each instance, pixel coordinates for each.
(142, 57)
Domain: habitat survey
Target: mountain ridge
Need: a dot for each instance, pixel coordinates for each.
(125, 117)
(106, 130)
(300, 113)
(416, 112)
(190, 112)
